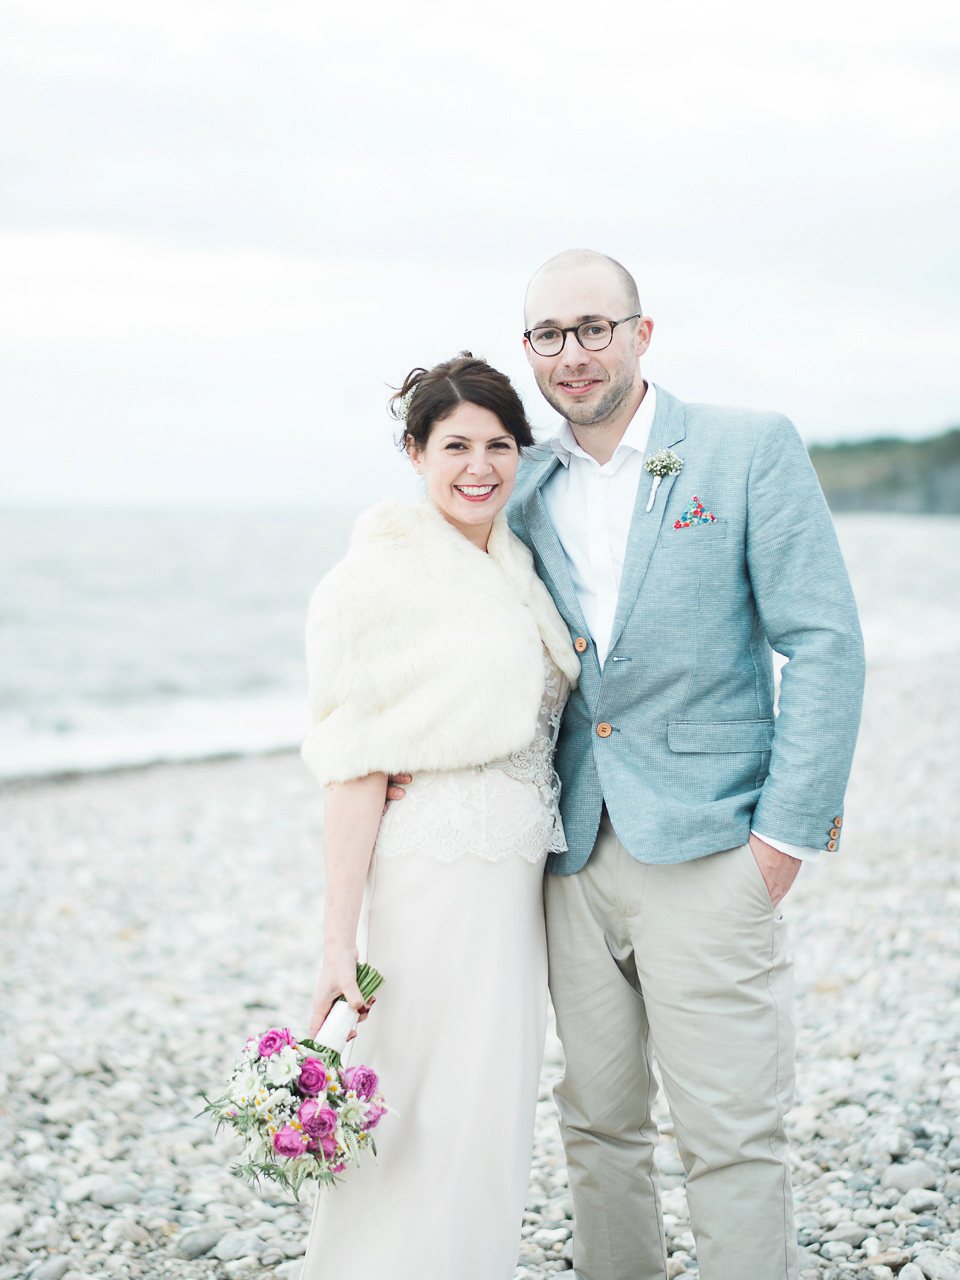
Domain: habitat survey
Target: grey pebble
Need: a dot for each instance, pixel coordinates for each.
(289, 1271)
(891, 1142)
(118, 1230)
(852, 1233)
(242, 1266)
(921, 1199)
(52, 1269)
(12, 1219)
(835, 1249)
(75, 1192)
(912, 1174)
(112, 1194)
(911, 1272)
(199, 1240)
(807, 1221)
(238, 1244)
(197, 1200)
(936, 1266)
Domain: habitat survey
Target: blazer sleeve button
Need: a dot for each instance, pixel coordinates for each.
(838, 821)
(831, 845)
(834, 832)
(580, 644)
(604, 730)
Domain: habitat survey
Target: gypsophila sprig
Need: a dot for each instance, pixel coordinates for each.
(301, 1115)
(664, 463)
(402, 410)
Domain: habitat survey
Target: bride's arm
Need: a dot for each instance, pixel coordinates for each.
(350, 824)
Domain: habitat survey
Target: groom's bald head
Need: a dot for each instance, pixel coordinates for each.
(588, 269)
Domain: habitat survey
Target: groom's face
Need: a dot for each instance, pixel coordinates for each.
(586, 387)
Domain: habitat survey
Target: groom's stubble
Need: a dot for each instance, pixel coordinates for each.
(619, 389)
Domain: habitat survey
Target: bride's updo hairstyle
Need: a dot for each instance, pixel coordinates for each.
(429, 395)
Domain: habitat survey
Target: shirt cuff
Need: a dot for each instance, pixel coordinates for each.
(794, 850)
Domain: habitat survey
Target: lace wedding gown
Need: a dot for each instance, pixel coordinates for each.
(454, 920)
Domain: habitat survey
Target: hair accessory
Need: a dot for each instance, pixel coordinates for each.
(403, 406)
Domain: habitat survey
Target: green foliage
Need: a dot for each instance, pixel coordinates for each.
(255, 1170)
(890, 474)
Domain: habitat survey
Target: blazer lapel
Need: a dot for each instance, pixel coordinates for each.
(549, 550)
(666, 431)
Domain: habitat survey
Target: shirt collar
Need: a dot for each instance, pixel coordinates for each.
(634, 440)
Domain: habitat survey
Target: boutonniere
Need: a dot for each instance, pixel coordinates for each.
(664, 463)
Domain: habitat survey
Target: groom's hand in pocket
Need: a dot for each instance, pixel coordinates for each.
(395, 787)
(778, 869)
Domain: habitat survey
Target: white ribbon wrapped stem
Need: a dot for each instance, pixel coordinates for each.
(653, 491)
(337, 1025)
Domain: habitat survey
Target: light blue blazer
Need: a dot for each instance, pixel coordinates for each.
(693, 755)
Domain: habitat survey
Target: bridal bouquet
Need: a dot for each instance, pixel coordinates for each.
(301, 1115)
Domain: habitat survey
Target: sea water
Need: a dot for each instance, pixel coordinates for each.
(128, 637)
(135, 636)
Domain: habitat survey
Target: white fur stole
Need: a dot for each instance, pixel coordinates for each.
(424, 652)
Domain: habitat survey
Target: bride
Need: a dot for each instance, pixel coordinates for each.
(434, 650)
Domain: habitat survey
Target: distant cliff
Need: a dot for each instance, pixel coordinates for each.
(891, 474)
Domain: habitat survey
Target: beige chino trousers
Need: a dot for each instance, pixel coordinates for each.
(690, 960)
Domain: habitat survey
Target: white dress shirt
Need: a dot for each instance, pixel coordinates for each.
(591, 508)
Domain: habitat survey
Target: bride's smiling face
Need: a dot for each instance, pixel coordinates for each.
(469, 466)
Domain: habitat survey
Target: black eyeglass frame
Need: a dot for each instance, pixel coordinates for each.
(575, 330)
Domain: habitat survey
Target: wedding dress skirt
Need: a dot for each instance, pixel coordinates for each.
(454, 921)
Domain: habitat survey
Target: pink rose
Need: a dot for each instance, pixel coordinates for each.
(318, 1121)
(288, 1142)
(313, 1076)
(329, 1145)
(272, 1042)
(374, 1116)
(362, 1080)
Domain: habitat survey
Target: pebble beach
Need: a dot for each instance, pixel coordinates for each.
(153, 919)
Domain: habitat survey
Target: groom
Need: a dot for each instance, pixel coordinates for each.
(681, 543)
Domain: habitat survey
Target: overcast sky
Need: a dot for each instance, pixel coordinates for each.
(228, 225)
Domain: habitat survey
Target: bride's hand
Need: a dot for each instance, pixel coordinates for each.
(338, 976)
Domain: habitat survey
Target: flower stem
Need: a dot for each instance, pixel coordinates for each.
(368, 980)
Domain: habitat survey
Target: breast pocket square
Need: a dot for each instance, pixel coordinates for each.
(694, 514)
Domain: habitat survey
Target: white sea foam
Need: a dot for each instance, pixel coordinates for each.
(151, 732)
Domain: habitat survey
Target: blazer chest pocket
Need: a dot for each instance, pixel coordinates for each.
(694, 536)
(720, 736)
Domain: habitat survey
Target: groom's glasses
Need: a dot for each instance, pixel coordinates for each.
(593, 335)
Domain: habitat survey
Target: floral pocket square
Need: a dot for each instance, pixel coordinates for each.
(694, 514)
